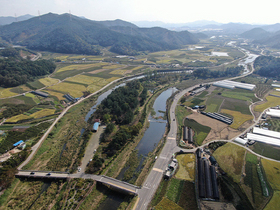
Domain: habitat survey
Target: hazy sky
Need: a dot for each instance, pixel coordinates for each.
(171, 11)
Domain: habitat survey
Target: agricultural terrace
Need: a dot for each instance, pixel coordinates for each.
(186, 167)
(230, 158)
(9, 92)
(37, 114)
(272, 171)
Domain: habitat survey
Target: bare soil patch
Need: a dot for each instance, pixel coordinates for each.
(219, 130)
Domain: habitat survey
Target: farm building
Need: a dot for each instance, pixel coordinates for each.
(212, 160)
(219, 117)
(201, 182)
(190, 136)
(69, 97)
(273, 113)
(223, 85)
(264, 139)
(185, 133)
(18, 143)
(277, 89)
(240, 141)
(275, 85)
(269, 133)
(95, 126)
(208, 182)
(40, 93)
(214, 182)
(232, 84)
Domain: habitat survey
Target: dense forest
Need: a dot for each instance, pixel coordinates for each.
(71, 34)
(229, 72)
(16, 71)
(14, 109)
(268, 66)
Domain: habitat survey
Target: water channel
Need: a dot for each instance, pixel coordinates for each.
(147, 144)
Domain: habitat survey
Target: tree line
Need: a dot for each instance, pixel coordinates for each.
(268, 66)
(16, 71)
(207, 73)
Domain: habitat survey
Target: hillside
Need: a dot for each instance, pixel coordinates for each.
(272, 41)
(10, 19)
(71, 34)
(255, 34)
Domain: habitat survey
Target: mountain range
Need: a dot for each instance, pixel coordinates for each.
(71, 34)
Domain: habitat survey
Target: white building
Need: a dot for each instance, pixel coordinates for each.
(240, 141)
(264, 132)
(273, 113)
(232, 84)
(264, 139)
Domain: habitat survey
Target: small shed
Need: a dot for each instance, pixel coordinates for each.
(95, 126)
(212, 160)
(18, 143)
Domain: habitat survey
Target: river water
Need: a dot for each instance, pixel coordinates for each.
(147, 144)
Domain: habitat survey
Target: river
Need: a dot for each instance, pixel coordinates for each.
(147, 144)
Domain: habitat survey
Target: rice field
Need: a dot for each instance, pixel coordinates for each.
(240, 95)
(75, 90)
(56, 94)
(230, 158)
(80, 66)
(272, 171)
(186, 167)
(238, 118)
(271, 101)
(119, 71)
(48, 81)
(6, 92)
(38, 114)
(83, 79)
(114, 66)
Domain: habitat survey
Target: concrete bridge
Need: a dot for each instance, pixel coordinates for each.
(114, 183)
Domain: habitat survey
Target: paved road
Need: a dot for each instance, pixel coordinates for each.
(38, 144)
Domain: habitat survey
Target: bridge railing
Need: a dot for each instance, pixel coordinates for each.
(58, 172)
(116, 180)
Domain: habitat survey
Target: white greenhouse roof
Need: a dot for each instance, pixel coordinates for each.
(273, 112)
(264, 139)
(240, 141)
(231, 84)
(275, 85)
(264, 132)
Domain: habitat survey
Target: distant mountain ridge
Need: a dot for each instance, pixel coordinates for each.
(71, 34)
(255, 34)
(10, 19)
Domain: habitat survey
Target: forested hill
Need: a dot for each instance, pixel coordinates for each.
(16, 71)
(268, 66)
(71, 34)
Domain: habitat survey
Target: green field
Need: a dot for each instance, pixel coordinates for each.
(201, 131)
(240, 94)
(237, 105)
(267, 150)
(230, 158)
(166, 204)
(213, 104)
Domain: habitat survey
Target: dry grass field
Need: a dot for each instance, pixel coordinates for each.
(230, 158)
(48, 81)
(75, 90)
(219, 130)
(81, 66)
(270, 102)
(39, 114)
(186, 167)
(238, 118)
(83, 79)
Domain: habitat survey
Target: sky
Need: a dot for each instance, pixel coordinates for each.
(171, 11)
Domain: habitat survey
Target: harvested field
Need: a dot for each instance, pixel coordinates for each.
(83, 79)
(38, 114)
(186, 166)
(230, 158)
(80, 66)
(73, 89)
(48, 81)
(118, 71)
(97, 71)
(6, 92)
(56, 94)
(270, 102)
(219, 130)
(238, 118)
(274, 203)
